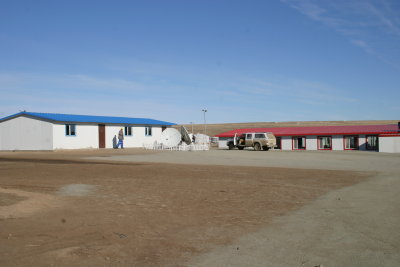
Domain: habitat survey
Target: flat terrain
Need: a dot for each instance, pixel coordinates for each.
(209, 208)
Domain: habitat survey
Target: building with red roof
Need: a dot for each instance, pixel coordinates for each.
(385, 138)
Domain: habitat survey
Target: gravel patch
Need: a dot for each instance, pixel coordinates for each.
(77, 190)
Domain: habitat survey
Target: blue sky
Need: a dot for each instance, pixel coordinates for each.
(244, 61)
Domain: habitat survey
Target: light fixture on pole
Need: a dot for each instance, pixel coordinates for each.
(204, 113)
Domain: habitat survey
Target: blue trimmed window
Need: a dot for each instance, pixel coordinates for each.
(148, 131)
(70, 129)
(128, 131)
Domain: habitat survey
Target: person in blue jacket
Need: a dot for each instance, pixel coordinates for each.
(120, 139)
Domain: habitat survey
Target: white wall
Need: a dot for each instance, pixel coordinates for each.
(23, 133)
(222, 144)
(138, 137)
(386, 144)
(311, 142)
(337, 142)
(362, 142)
(87, 136)
(389, 144)
(286, 143)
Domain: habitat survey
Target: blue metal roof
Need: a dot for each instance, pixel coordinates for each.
(68, 118)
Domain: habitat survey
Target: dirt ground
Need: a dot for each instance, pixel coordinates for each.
(62, 209)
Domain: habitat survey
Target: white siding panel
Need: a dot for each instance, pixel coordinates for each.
(311, 142)
(137, 139)
(111, 132)
(337, 142)
(87, 136)
(362, 142)
(24, 133)
(222, 144)
(389, 144)
(286, 143)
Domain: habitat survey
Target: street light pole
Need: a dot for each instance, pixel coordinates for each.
(192, 126)
(204, 113)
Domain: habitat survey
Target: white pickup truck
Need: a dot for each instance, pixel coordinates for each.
(258, 141)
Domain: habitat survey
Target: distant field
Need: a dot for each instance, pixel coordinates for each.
(213, 129)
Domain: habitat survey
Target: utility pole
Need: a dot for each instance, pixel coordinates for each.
(204, 113)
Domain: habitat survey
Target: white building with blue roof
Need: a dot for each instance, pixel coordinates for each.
(49, 131)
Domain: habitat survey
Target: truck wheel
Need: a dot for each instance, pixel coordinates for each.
(257, 147)
(240, 147)
(231, 146)
(265, 148)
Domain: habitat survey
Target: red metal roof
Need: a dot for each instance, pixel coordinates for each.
(319, 130)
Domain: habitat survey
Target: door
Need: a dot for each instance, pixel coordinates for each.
(299, 143)
(249, 139)
(350, 142)
(102, 136)
(372, 142)
(278, 142)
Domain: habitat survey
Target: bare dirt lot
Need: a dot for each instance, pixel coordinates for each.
(61, 208)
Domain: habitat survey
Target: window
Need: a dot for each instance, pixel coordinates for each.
(299, 142)
(70, 130)
(128, 131)
(259, 135)
(147, 131)
(249, 136)
(351, 142)
(372, 142)
(324, 142)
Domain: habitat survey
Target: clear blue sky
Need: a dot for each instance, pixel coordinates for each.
(244, 61)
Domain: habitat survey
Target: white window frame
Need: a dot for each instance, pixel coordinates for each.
(346, 140)
(320, 142)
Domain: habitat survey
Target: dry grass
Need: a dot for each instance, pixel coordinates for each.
(213, 129)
